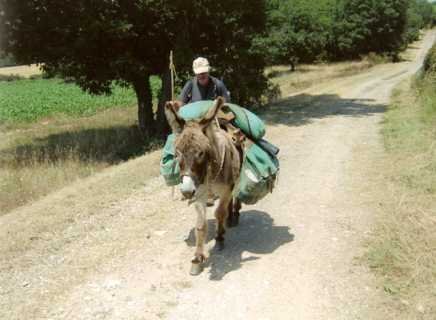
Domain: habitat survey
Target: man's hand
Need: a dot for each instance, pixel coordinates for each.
(177, 104)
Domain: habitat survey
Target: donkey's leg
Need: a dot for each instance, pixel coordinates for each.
(230, 219)
(200, 231)
(234, 208)
(221, 214)
(200, 238)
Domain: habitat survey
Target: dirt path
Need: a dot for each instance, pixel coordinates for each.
(115, 246)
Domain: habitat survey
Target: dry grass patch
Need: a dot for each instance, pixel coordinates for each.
(39, 158)
(306, 76)
(22, 71)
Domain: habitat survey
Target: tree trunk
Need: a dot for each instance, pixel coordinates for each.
(165, 95)
(145, 104)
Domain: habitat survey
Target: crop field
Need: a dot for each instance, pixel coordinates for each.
(29, 100)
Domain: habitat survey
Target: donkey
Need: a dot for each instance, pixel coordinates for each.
(209, 161)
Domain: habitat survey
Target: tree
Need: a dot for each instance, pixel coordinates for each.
(98, 42)
(295, 32)
(364, 26)
(224, 34)
(434, 15)
(419, 16)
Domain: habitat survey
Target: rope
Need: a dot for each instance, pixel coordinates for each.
(172, 68)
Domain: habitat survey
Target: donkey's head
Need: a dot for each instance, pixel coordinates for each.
(193, 147)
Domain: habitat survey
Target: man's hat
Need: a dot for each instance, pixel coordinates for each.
(201, 65)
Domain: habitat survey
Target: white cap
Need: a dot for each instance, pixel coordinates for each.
(201, 65)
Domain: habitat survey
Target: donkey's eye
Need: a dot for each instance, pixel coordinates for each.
(200, 154)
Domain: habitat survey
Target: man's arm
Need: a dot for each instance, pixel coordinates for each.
(185, 95)
(222, 91)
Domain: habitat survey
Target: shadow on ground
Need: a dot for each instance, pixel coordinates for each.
(302, 109)
(287, 71)
(119, 143)
(255, 235)
(109, 145)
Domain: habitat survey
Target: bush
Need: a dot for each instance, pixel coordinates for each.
(430, 62)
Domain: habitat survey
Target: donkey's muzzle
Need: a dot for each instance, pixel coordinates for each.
(187, 187)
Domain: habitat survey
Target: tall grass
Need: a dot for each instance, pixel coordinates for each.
(39, 158)
(403, 249)
(54, 134)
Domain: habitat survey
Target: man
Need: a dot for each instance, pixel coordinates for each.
(203, 86)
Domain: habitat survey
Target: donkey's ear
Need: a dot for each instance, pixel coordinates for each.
(212, 113)
(174, 120)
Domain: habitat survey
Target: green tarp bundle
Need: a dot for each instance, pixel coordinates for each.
(259, 168)
(245, 120)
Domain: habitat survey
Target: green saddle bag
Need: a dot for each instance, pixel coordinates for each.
(169, 167)
(258, 175)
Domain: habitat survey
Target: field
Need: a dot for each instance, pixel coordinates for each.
(53, 134)
(30, 100)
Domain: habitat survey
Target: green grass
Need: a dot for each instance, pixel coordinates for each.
(32, 99)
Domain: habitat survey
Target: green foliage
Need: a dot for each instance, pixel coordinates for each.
(427, 87)
(434, 15)
(307, 31)
(223, 31)
(420, 15)
(96, 43)
(296, 32)
(430, 62)
(364, 26)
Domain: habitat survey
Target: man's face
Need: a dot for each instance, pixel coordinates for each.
(203, 78)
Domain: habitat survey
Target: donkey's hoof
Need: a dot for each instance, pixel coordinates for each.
(196, 268)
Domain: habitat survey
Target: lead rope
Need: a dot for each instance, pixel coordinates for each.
(223, 151)
(173, 72)
(172, 68)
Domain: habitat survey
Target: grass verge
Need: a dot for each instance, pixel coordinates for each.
(402, 251)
